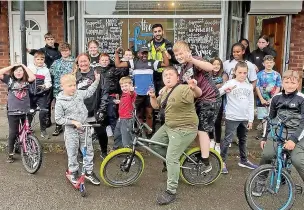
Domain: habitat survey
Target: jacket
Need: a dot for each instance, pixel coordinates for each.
(258, 55)
(51, 54)
(290, 109)
(43, 77)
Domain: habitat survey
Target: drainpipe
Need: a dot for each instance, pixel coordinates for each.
(23, 32)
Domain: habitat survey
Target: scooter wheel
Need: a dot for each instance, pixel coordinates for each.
(82, 190)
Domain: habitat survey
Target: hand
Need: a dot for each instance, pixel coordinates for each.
(116, 101)
(289, 145)
(229, 89)
(119, 49)
(263, 102)
(151, 93)
(189, 58)
(77, 124)
(132, 89)
(162, 90)
(28, 50)
(262, 144)
(168, 55)
(97, 76)
(192, 83)
(249, 126)
(42, 86)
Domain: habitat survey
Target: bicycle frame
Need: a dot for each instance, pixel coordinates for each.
(24, 130)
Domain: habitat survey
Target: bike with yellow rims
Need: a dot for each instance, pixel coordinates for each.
(123, 167)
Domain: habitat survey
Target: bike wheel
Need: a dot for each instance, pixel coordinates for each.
(260, 189)
(191, 168)
(113, 168)
(32, 158)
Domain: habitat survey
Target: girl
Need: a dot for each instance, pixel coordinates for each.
(93, 46)
(239, 114)
(247, 55)
(62, 66)
(219, 77)
(17, 78)
(262, 50)
(237, 54)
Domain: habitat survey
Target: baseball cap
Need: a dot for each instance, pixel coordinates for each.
(144, 49)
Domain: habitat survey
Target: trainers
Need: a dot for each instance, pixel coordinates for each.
(92, 178)
(247, 164)
(166, 198)
(230, 145)
(217, 148)
(212, 144)
(103, 155)
(10, 159)
(58, 130)
(259, 188)
(224, 169)
(44, 134)
(206, 168)
(74, 177)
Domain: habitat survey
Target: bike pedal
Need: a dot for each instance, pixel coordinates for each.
(299, 189)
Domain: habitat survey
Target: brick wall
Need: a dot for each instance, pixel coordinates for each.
(55, 19)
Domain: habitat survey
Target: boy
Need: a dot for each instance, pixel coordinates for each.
(39, 90)
(289, 103)
(71, 111)
(208, 104)
(143, 70)
(268, 84)
(50, 50)
(62, 66)
(123, 129)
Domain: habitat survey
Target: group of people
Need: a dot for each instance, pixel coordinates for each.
(192, 96)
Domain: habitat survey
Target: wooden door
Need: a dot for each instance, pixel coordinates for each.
(274, 28)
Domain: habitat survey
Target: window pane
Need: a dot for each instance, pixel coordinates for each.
(72, 37)
(152, 7)
(29, 5)
(72, 8)
(198, 7)
(236, 7)
(118, 7)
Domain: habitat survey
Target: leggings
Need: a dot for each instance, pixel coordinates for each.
(13, 123)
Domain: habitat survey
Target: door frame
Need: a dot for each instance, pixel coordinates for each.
(10, 21)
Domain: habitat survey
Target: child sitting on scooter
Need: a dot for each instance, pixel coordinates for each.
(71, 111)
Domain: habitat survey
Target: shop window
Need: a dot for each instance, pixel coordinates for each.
(29, 5)
(118, 7)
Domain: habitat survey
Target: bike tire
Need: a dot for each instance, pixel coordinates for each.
(194, 176)
(30, 141)
(249, 186)
(106, 164)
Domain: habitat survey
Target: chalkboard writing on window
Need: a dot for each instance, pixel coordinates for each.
(203, 35)
(108, 32)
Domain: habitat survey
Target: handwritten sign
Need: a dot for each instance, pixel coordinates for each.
(203, 35)
(142, 33)
(108, 32)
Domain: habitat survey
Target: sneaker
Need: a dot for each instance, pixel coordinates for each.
(212, 144)
(247, 164)
(103, 155)
(10, 159)
(230, 145)
(206, 168)
(217, 148)
(92, 178)
(109, 131)
(259, 188)
(44, 135)
(166, 198)
(224, 169)
(57, 131)
(74, 177)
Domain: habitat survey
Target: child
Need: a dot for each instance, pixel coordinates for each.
(123, 129)
(208, 104)
(71, 112)
(128, 55)
(237, 54)
(269, 84)
(93, 46)
(289, 103)
(50, 50)
(219, 78)
(39, 90)
(143, 70)
(17, 78)
(60, 67)
(239, 114)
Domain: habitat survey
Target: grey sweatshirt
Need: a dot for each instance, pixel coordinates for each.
(68, 108)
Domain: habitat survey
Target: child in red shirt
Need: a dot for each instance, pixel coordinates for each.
(123, 129)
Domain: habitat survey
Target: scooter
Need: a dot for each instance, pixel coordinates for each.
(79, 185)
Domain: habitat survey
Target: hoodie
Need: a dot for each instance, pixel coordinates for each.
(68, 108)
(43, 77)
(51, 54)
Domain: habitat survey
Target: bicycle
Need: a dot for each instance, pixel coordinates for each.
(278, 173)
(131, 163)
(28, 144)
(81, 180)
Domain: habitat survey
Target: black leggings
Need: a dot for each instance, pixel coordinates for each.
(40, 101)
(102, 138)
(13, 123)
(217, 126)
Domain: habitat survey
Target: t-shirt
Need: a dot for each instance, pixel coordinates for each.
(143, 74)
(267, 83)
(126, 105)
(204, 81)
(18, 95)
(180, 110)
(230, 65)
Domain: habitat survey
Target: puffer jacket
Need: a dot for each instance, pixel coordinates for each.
(257, 56)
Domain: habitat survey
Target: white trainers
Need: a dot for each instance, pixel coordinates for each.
(109, 131)
(217, 148)
(212, 144)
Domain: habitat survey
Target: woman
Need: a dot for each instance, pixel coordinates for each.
(263, 49)
(180, 128)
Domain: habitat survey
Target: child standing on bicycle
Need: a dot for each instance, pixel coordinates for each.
(71, 112)
(124, 125)
(287, 104)
(17, 78)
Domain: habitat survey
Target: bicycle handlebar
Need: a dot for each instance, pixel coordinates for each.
(32, 111)
(91, 125)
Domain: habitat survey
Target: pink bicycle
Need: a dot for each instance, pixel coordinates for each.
(27, 144)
